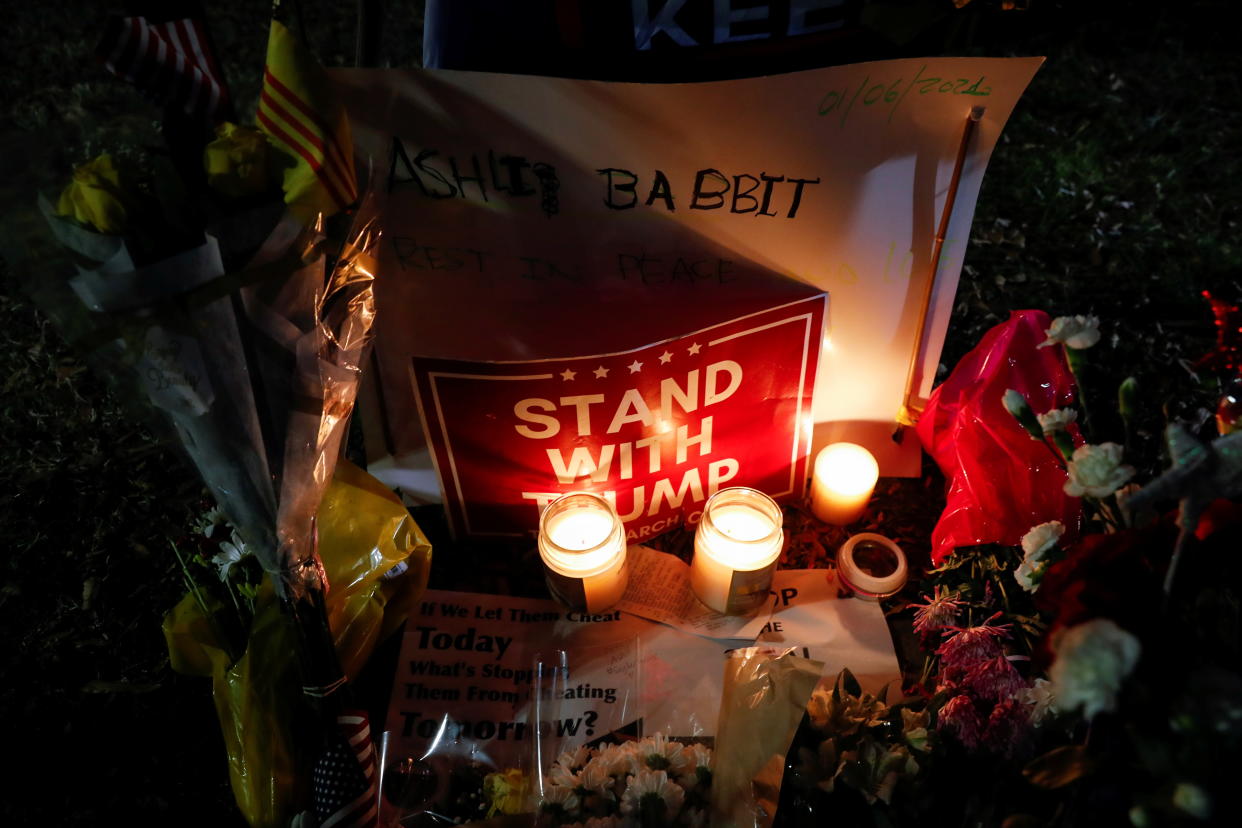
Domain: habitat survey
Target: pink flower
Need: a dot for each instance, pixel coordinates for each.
(965, 647)
(940, 611)
(1008, 729)
(960, 718)
(994, 679)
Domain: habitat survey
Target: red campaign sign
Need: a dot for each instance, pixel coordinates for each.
(657, 429)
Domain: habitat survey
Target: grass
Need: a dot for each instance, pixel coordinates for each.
(1115, 191)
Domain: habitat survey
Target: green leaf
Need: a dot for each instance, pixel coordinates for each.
(1059, 767)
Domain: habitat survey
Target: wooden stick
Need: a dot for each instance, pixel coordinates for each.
(911, 409)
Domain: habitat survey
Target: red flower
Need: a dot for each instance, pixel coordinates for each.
(1114, 576)
(967, 646)
(961, 718)
(995, 680)
(1008, 729)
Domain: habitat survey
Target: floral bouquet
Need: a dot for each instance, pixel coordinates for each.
(213, 276)
(1066, 675)
(650, 782)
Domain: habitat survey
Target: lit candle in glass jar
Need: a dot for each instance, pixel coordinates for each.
(582, 544)
(735, 550)
(844, 478)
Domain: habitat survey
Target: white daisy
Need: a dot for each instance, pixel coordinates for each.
(615, 759)
(652, 791)
(595, 777)
(210, 519)
(697, 757)
(574, 759)
(231, 552)
(559, 798)
(564, 771)
(659, 754)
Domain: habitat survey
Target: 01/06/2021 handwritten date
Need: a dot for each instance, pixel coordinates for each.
(892, 93)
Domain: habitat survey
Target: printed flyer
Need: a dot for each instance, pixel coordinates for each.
(487, 680)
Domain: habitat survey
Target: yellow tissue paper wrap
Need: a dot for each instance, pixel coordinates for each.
(364, 531)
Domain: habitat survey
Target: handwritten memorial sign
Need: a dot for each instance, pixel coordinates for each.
(530, 218)
(657, 430)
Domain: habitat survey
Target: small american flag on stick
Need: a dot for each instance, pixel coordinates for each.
(345, 780)
(170, 61)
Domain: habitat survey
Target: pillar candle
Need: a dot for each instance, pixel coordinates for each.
(736, 546)
(843, 480)
(582, 545)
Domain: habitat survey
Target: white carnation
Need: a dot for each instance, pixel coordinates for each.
(1035, 547)
(1058, 419)
(1097, 471)
(1092, 661)
(1076, 332)
(1041, 538)
(1041, 700)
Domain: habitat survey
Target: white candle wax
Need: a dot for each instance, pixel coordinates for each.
(582, 545)
(735, 550)
(580, 529)
(844, 478)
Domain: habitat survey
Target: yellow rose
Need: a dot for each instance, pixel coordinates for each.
(237, 161)
(94, 196)
(507, 792)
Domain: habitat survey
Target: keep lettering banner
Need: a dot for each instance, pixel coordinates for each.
(657, 430)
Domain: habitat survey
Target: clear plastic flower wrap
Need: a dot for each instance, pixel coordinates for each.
(250, 342)
(765, 698)
(654, 769)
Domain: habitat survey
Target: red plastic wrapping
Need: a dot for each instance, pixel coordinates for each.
(1001, 481)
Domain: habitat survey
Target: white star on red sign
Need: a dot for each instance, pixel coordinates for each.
(666, 357)
(694, 348)
(600, 372)
(568, 374)
(635, 367)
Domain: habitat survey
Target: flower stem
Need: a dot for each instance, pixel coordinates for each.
(1077, 364)
(1056, 453)
(210, 617)
(1182, 538)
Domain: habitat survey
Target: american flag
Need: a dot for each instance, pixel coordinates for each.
(346, 792)
(171, 61)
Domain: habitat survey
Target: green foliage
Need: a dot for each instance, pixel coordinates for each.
(859, 741)
(981, 578)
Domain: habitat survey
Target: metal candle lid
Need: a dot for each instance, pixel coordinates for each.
(872, 566)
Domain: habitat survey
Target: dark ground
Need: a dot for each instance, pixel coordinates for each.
(1115, 191)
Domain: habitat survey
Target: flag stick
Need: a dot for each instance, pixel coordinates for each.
(912, 407)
